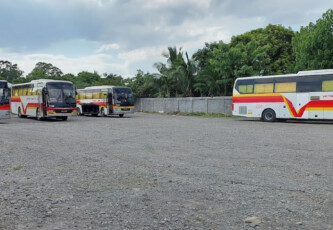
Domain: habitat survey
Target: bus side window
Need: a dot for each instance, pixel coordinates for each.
(81, 95)
(245, 89)
(263, 88)
(288, 87)
(15, 92)
(29, 92)
(327, 86)
(96, 94)
(89, 94)
(309, 84)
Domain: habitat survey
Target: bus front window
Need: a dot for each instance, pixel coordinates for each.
(61, 94)
(4, 96)
(124, 97)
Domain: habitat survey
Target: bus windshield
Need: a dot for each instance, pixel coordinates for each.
(4, 96)
(4, 93)
(61, 94)
(124, 96)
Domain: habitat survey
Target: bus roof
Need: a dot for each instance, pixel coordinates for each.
(105, 87)
(42, 81)
(300, 73)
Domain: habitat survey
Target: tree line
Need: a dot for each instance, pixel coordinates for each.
(212, 70)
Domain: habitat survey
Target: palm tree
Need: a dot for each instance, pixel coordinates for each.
(177, 73)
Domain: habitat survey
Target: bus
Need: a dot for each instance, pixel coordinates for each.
(44, 98)
(305, 95)
(105, 100)
(4, 100)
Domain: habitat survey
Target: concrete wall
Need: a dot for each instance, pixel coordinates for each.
(185, 104)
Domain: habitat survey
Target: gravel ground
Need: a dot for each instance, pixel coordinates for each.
(150, 171)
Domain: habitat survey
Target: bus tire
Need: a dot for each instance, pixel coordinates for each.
(121, 115)
(19, 113)
(268, 115)
(103, 112)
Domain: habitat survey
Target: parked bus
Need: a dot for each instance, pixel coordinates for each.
(305, 95)
(4, 100)
(44, 99)
(105, 100)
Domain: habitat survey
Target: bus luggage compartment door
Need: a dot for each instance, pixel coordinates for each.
(315, 108)
(90, 109)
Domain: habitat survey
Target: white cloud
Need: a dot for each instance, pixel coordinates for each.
(108, 47)
(168, 3)
(121, 36)
(102, 63)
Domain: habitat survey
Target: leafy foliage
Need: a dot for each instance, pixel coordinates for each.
(313, 44)
(9, 71)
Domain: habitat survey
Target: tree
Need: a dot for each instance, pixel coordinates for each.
(313, 44)
(143, 85)
(9, 71)
(270, 49)
(85, 79)
(45, 70)
(177, 76)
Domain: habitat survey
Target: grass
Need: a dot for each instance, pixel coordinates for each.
(17, 168)
(196, 114)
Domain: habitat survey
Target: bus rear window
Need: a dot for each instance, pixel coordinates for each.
(245, 89)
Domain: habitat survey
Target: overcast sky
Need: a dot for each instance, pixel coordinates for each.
(122, 36)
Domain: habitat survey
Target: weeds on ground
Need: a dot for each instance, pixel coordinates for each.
(17, 168)
(195, 114)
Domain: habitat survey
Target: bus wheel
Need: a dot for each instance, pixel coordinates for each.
(78, 111)
(268, 115)
(121, 115)
(103, 112)
(64, 118)
(19, 113)
(38, 115)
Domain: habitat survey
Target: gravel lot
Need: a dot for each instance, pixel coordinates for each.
(151, 171)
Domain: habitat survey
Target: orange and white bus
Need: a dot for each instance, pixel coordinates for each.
(105, 100)
(305, 95)
(4, 100)
(44, 99)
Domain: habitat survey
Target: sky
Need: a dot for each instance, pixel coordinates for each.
(122, 36)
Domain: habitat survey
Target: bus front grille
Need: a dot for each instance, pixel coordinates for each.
(62, 111)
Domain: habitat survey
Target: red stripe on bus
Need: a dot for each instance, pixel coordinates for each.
(15, 99)
(258, 99)
(4, 107)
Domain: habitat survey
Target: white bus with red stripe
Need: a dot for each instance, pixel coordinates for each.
(305, 95)
(4, 100)
(44, 98)
(105, 100)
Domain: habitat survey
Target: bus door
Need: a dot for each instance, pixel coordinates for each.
(316, 110)
(44, 100)
(302, 99)
(40, 93)
(110, 101)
